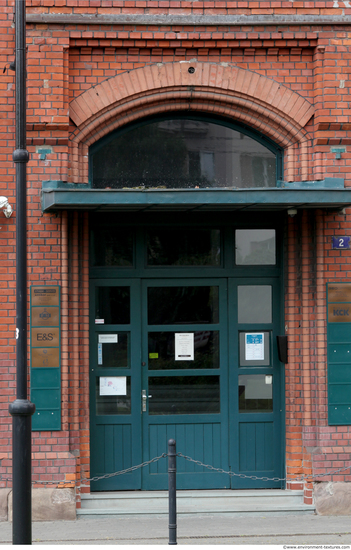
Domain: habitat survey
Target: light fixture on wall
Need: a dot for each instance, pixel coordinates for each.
(292, 212)
(7, 209)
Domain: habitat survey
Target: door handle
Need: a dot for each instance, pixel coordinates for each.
(144, 397)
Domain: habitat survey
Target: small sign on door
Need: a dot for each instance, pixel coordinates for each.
(184, 346)
(254, 346)
(113, 385)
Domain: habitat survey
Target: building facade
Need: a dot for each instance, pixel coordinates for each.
(188, 243)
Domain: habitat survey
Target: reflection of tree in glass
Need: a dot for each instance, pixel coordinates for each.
(113, 304)
(169, 305)
(162, 349)
(184, 395)
(184, 247)
(112, 247)
(147, 156)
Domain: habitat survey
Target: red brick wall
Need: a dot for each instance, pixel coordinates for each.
(66, 60)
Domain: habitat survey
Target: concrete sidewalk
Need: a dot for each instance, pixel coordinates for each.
(207, 529)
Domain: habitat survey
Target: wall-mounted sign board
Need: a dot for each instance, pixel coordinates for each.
(339, 353)
(341, 243)
(45, 356)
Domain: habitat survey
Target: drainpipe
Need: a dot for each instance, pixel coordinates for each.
(21, 409)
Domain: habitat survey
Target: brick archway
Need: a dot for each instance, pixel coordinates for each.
(238, 94)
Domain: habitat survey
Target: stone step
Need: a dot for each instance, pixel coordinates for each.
(194, 502)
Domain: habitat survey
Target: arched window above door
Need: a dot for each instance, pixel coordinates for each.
(183, 152)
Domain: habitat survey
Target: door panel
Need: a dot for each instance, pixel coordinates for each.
(256, 445)
(185, 374)
(255, 375)
(115, 407)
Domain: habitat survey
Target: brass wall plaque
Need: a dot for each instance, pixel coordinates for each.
(339, 292)
(45, 295)
(339, 313)
(45, 316)
(48, 337)
(45, 357)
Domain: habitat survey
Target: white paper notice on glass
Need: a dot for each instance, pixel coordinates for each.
(108, 338)
(113, 385)
(184, 346)
(254, 346)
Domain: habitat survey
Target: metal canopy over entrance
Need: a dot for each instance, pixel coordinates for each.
(74, 198)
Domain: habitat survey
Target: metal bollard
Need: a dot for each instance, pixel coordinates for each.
(172, 488)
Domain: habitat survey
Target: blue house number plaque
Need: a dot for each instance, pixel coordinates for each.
(341, 242)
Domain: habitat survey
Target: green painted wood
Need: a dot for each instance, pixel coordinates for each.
(340, 393)
(46, 377)
(339, 366)
(225, 440)
(256, 439)
(339, 414)
(45, 418)
(340, 374)
(189, 428)
(48, 398)
(116, 439)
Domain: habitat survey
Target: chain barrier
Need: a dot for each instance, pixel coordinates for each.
(244, 476)
(127, 470)
(96, 478)
(189, 459)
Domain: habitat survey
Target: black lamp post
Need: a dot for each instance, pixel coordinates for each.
(21, 409)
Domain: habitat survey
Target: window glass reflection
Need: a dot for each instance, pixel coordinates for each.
(112, 246)
(255, 393)
(162, 351)
(183, 304)
(184, 395)
(255, 247)
(112, 305)
(114, 350)
(183, 247)
(183, 153)
(112, 404)
(254, 304)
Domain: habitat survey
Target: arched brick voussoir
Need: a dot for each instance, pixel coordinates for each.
(160, 77)
(282, 130)
(122, 114)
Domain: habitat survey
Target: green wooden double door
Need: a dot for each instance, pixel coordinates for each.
(194, 359)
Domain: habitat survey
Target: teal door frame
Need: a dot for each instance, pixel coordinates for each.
(120, 441)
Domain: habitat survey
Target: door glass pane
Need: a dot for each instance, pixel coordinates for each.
(112, 246)
(255, 247)
(114, 350)
(116, 402)
(112, 305)
(183, 304)
(254, 304)
(182, 247)
(254, 349)
(161, 346)
(255, 393)
(184, 395)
